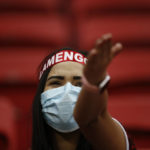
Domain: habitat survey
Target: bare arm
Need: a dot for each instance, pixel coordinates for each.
(91, 108)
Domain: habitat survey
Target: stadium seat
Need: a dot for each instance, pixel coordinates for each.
(36, 30)
(143, 149)
(3, 142)
(21, 96)
(131, 106)
(131, 109)
(130, 66)
(19, 64)
(131, 30)
(30, 4)
(142, 140)
(85, 6)
(8, 124)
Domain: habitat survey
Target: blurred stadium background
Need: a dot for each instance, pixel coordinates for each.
(29, 29)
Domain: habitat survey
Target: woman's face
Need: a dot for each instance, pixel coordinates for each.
(62, 73)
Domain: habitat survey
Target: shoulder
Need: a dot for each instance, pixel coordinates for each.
(129, 142)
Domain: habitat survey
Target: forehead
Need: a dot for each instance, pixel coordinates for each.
(68, 68)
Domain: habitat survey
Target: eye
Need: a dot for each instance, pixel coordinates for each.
(78, 84)
(55, 83)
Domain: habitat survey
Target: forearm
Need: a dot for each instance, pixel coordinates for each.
(89, 106)
(96, 124)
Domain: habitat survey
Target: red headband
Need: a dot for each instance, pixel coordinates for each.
(63, 56)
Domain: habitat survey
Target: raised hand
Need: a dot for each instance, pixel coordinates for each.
(99, 58)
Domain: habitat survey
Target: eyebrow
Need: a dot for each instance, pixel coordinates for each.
(62, 77)
(56, 77)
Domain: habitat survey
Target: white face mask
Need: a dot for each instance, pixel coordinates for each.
(58, 105)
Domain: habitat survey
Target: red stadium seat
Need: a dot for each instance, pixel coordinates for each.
(131, 106)
(7, 124)
(142, 141)
(132, 110)
(88, 5)
(130, 66)
(3, 142)
(143, 149)
(30, 29)
(19, 65)
(30, 4)
(128, 29)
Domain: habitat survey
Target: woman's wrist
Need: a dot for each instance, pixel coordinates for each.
(99, 88)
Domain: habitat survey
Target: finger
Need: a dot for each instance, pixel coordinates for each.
(91, 63)
(104, 43)
(91, 57)
(116, 49)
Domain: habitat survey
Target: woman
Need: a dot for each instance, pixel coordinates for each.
(70, 106)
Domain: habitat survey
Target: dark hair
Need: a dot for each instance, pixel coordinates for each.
(41, 136)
